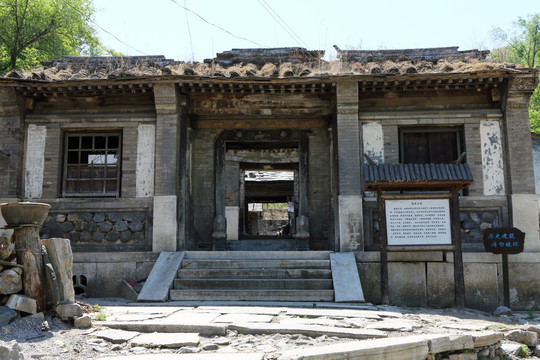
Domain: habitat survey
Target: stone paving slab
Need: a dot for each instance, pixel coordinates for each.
(149, 310)
(347, 286)
(315, 321)
(365, 314)
(250, 318)
(207, 356)
(445, 343)
(115, 336)
(158, 284)
(168, 327)
(401, 348)
(392, 325)
(166, 340)
(192, 317)
(486, 338)
(308, 330)
(259, 310)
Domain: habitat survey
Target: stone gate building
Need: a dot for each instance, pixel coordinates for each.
(141, 155)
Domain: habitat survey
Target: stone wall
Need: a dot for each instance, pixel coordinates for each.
(100, 231)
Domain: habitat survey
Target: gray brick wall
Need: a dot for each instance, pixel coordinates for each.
(391, 144)
(168, 112)
(11, 136)
(348, 138)
(473, 147)
(202, 186)
(319, 189)
(519, 163)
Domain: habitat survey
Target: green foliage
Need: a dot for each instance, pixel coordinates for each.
(39, 30)
(525, 351)
(522, 46)
(101, 316)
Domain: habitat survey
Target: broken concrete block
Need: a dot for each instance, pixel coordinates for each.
(11, 351)
(127, 291)
(6, 315)
(11, 281)
(61, 258)
(68, 311)
(22, 303)
(84, 321)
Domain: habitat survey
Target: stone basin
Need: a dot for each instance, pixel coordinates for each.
(24, 213)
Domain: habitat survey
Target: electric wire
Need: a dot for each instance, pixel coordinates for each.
(104, 30)
(282, 23)
(189, 33)
(217, 26)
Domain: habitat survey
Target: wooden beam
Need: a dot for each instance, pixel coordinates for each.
(259, 123)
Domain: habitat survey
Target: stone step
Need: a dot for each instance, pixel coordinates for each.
(252, 295)
(264, 255)
(254, 284)
(254, 264)
(255, 274)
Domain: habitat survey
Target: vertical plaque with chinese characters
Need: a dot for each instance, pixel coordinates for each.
(418, 222)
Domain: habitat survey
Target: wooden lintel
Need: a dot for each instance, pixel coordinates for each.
(259, 123)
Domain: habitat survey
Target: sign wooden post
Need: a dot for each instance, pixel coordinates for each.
(504, 241)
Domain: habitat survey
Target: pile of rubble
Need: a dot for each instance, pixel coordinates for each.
(58, 284)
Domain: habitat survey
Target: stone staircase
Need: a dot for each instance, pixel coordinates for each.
(254, 276)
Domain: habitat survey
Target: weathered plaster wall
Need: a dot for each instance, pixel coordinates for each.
(492, 158)
(373, 138)
(146, 142)
(34, 160)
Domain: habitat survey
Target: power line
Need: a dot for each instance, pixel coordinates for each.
(217, 26)
(102, 29)
(282, 23)
(189, 33)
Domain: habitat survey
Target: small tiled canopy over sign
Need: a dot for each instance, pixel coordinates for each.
(427, 181)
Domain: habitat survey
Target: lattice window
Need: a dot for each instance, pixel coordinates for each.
(438, 145)
(91, 164)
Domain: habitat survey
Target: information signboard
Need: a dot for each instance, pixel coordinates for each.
(504, 240)
(418, 222)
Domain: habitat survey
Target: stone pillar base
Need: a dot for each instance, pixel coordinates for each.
(165, 223)
(351, 223)
(525, 218)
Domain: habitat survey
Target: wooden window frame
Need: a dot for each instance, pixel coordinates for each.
(457, 129)
(106, 179)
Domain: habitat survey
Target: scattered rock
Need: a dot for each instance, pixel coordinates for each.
(127, 291)
(221, 341)
(537, 351)
(503, 310)
(189, 350)
(511, 349)
(68, 311)
(528, 338)
(6, 315)
(11, 281)
(116, 336)
(84, 321)
(210, 347)
(45, 326)
(166, 340)
(61, 258)
(22, 303)
(117, 347)
(10, 351)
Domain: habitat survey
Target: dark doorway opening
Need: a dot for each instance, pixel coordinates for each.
(270, 200)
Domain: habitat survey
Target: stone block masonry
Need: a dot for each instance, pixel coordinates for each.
(99, 230)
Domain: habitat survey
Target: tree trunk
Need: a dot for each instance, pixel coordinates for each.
(28, 247)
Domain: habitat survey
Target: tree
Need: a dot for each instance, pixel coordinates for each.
(35, 30)
(523, 47)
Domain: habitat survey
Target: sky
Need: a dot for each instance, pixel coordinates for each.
(165, 27)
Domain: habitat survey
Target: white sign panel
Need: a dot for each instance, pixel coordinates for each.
(418, 222)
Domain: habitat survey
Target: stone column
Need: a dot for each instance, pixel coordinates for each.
(11, 145)
(519, 162)
(349, 150)
(166, 167)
